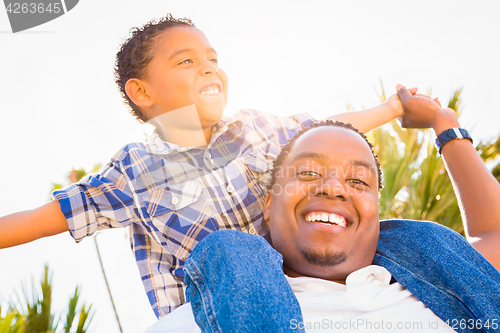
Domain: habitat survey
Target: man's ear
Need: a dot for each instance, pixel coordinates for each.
(267, 205)
(136, 91)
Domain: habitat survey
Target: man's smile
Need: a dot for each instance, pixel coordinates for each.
(326, 218)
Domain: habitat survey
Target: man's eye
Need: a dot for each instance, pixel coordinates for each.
(215, 61)
(309, 173)
(187, 61)
(357, 182)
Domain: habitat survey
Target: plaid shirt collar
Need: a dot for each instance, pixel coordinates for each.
(156, 146)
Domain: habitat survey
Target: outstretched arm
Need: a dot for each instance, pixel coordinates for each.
(27, 226)
(478, 192)
(369, 119)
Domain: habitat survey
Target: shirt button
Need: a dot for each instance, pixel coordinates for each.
(175, 201)
(253, 231)
(230, 188)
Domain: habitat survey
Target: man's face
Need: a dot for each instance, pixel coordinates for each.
(330, 174)
(184, 72)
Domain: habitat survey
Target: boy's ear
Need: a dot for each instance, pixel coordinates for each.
(267, 205)
(136, 91)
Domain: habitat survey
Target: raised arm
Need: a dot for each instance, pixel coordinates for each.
(478, 192)
(27, 226)
(369, 119)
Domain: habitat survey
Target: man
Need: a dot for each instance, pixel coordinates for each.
(339, 260)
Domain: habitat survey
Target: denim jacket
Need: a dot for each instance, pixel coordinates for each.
(443, 271)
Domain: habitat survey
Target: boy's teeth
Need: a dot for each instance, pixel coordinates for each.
(326, 218)
(210, 90)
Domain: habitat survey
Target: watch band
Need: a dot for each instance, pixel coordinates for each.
(454, 133)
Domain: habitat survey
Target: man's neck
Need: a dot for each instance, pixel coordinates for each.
(291, 273)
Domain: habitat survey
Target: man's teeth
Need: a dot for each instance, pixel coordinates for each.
(210, 90)
(326, 218)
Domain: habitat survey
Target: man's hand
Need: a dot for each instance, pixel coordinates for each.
(395, 105)
(421, 111)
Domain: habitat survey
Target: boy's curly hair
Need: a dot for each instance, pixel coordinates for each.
(288, 148)
(136, 53)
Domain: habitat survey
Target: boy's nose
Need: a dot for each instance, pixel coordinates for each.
(210, 68)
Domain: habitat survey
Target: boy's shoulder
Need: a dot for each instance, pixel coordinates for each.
(131, 150)
(260, 119)
(243, 116)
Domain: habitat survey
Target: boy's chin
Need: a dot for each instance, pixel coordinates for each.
(210, 117)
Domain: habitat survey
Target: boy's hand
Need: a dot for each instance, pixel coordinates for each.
(423, 112)
(394, 104)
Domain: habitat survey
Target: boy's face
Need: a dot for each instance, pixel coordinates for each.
(330, 173)
(184, 72)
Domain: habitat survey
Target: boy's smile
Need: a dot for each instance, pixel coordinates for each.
(184, 72)
(324, 220)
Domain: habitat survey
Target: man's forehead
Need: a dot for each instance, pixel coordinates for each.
(324, 160)
(318, 143)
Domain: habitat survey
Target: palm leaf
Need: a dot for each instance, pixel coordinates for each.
(70, 316)
(33, 313)
(12, 322)
(84, 319)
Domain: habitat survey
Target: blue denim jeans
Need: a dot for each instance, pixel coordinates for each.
(235, 281)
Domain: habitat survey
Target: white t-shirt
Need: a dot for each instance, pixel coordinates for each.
(366, 303)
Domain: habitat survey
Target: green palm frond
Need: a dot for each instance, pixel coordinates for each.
(84, 319)
(456, 101)
(490, 150)
(33, 312)
(12, 322)
(496, 172)
(38, 316)
(70, 316)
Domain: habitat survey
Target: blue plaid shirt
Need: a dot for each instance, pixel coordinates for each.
(171, 197)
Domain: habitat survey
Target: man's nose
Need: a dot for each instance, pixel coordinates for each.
(332, 187)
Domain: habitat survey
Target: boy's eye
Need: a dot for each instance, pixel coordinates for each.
(215, 61)
(187, 61)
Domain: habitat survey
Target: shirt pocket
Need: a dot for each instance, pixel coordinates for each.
(171, 198)
(180, 216)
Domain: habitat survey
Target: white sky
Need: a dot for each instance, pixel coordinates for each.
(59, 106)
